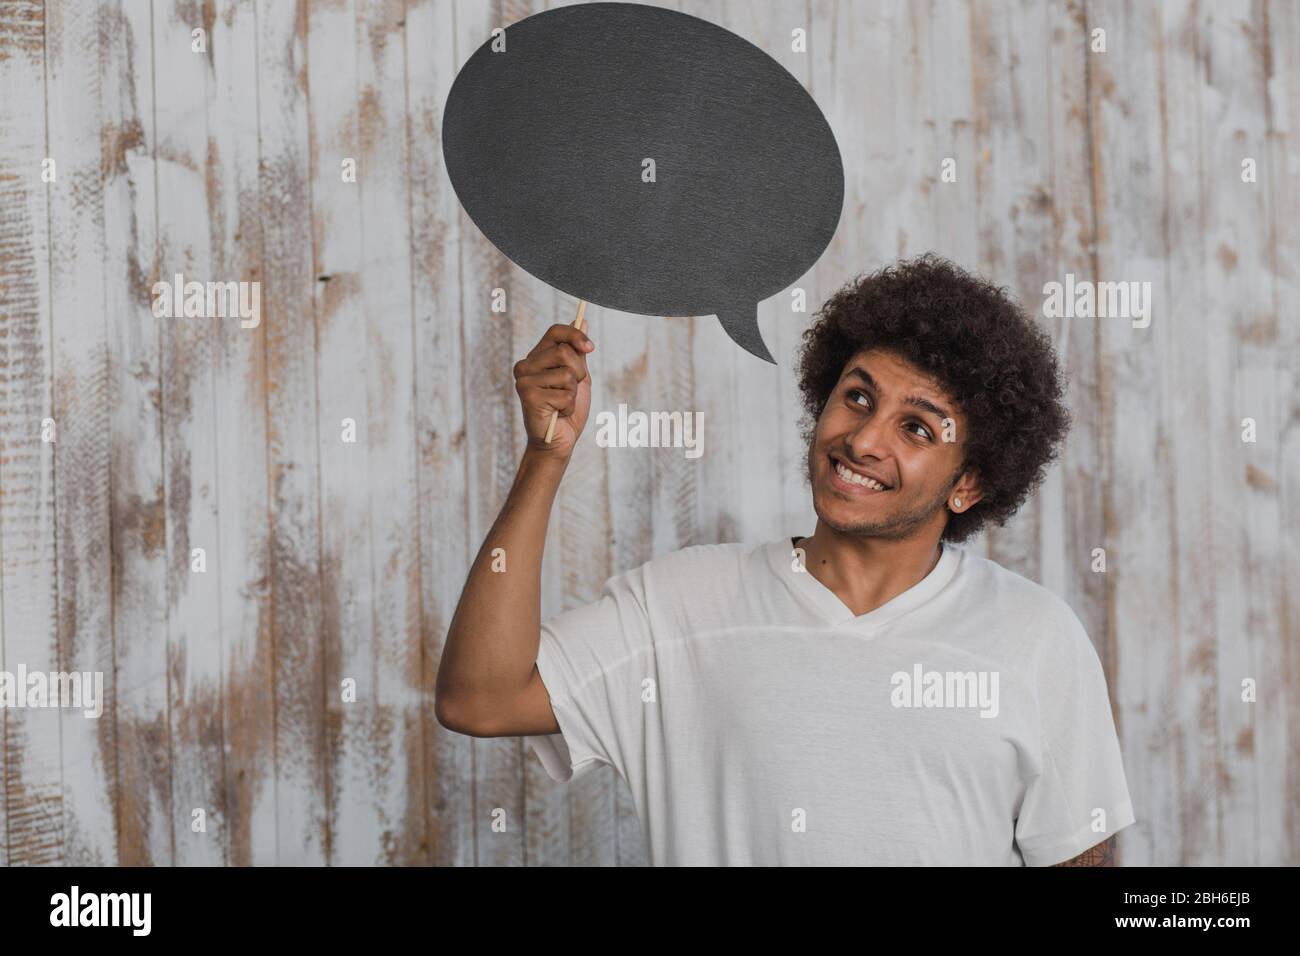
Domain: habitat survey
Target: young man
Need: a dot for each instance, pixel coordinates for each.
(873, 693)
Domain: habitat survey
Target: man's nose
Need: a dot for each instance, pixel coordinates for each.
(870, 440)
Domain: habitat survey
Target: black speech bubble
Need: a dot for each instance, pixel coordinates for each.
(544, 144)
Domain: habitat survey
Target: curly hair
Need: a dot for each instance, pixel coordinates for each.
(978, 344)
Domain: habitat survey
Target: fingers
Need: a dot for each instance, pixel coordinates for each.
(558, 340)
(561, 358)
(551, 389)
(569, 334)
(551, 378)
(570, 351)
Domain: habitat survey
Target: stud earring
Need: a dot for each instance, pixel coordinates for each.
(956, 502)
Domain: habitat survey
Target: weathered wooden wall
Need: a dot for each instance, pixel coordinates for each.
(329, 560)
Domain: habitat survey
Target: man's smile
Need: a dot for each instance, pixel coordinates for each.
(855, 480)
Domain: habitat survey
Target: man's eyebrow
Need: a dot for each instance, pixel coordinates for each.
(916, 401)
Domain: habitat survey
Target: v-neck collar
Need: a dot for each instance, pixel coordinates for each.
(834, 611)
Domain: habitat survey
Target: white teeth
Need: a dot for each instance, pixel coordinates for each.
(854, 478)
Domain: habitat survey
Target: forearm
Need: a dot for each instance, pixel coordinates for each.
(492, 643)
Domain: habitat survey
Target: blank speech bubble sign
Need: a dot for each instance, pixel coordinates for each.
(550, 144)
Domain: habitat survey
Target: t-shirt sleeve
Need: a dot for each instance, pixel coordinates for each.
(1079, 796)
(593, 661)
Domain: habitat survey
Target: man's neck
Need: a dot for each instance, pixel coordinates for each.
(866, 573)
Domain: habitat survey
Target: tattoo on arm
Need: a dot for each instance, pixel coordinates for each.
(1103, 854)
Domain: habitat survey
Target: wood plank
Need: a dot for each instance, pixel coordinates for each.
(856, 52)
(445, 547)
(385, 738)
(278, 768)
(1072, 515)
(342, 371)
(1072, 521)
(370, 535)
(1278, 748)
(93, 784)
(1269, 379)
(191, 347)
(236, 711)
(1137, 474)
(1232, 38)
(950, 108)
(32, 820)
(139, 514)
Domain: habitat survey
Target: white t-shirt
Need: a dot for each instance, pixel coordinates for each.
(758, 721)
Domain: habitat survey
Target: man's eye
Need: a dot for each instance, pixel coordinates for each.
(854, 394)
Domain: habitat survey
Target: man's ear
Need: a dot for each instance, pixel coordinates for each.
(967, 489)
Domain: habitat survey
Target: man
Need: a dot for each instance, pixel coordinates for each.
(873, 693)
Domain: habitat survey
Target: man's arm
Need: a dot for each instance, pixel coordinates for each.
(1103, 854)
(488, 685)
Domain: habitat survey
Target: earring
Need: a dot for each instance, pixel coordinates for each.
(956, 502)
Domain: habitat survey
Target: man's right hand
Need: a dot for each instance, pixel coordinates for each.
(553, 376)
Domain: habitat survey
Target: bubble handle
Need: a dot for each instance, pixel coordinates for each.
(581, 325)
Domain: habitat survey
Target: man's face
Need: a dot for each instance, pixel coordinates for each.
(885, 419)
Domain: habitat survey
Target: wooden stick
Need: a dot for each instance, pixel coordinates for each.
(581, 325)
